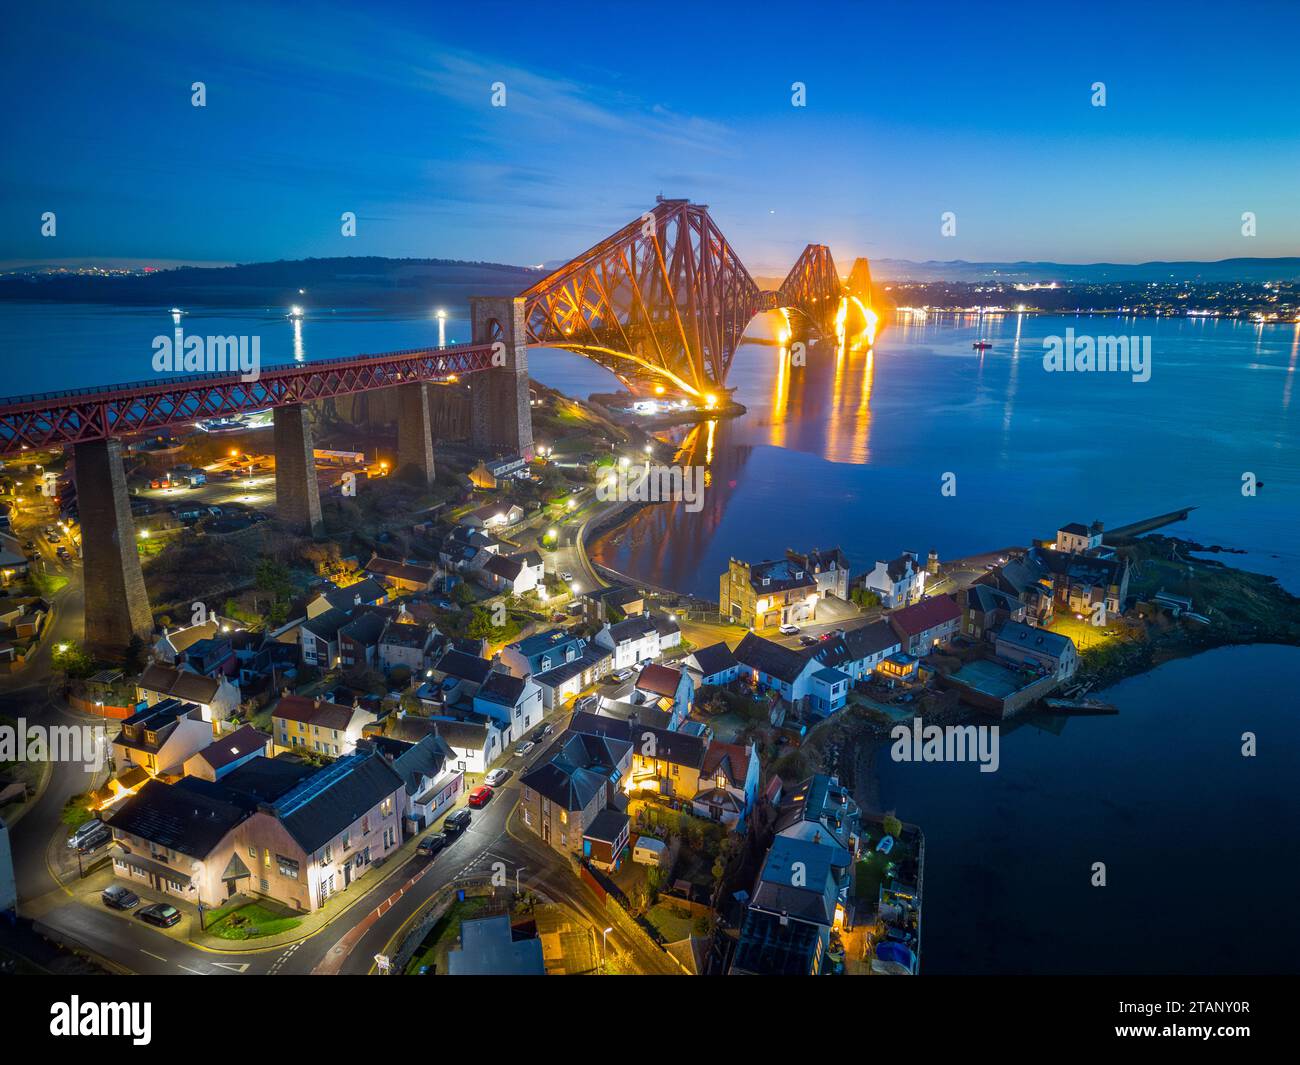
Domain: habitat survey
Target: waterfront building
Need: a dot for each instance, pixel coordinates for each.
(766, 595)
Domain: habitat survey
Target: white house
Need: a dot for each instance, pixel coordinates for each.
(514, 702)
(631, 641)
(513, 574)
(899, 582)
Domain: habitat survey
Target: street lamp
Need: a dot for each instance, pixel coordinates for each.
(604, 956)
(518, 870)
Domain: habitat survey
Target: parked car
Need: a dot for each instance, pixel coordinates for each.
(119, 897)
(543, 730)
(566, 576)
(95, 840)
(85, 831)
(29, 545)
(497, 777)
(457, 821)
(622, 675)
(160, 914)
(789, 630)
(478, 798)
(807, 641)
(524, 748)
(431, 845)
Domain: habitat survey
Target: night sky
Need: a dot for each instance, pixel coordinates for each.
(385, 110)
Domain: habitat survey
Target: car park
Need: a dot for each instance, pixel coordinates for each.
(479, 797)
(119, 897)
(457, 821)
(497, 777)
(159, 914)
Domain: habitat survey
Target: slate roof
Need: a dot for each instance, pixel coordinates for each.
(262, 780)
(576, 767)
(631, 629)
(427, 758)
(464, 667)
(326, 624)
(243, 741)
(775, 890)
(502, 689)
(392, 568)
(1044, 641)
(179, 683)
(607, 826)
(369, 589)
(321, 806)
(505, 567)
(679, 748)
(179, 819)
(775, 659)
(716, 658)
(365, 629)
(590, 657)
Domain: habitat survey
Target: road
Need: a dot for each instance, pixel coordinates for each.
(69, 908)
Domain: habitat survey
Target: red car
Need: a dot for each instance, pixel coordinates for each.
(479, 796)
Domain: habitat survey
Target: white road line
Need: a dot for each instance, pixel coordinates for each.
(189, 970)
(151, 954)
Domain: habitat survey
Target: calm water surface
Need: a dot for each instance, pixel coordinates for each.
(1198, 841)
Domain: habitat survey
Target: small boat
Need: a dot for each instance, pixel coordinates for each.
(1081, 706)
(295, 313)
(981, 345)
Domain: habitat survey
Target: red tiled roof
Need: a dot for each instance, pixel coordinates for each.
(659, 679)
(926, 614)
(731, 758)
(301, 708)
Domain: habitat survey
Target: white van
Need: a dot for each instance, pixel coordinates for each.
(649, 851)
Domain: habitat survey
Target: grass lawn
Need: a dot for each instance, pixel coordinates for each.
(444, 935)
(250, 920)
(672, 923)
(869, 875)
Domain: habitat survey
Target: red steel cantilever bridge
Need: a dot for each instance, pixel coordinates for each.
(662, 303)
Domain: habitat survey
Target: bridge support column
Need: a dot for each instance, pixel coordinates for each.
(297, 495)
(117, 605)
(500, 417)
(414, 431)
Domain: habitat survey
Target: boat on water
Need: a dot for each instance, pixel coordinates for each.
(1081, 706)
(981, 345)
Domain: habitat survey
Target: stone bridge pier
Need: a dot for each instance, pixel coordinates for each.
(117, 605)
(297, 494)
(500, 417)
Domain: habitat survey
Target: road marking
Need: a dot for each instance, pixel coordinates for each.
(151, 954)
(189, 970)
(239, 967)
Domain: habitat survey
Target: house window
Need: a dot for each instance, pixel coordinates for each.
(288, 867)
(266, 859)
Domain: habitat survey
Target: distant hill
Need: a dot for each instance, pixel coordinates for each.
(1286, 268)
(399, 283)
(345, 282)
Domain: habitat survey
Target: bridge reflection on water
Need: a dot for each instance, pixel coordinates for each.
(819, 404)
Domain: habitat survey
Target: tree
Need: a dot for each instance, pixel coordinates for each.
(463, 594)
(892, 825)
(272, 577)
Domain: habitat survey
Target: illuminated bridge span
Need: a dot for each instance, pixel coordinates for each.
(663, 303)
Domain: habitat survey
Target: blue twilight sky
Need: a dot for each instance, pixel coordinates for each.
(913, 109)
